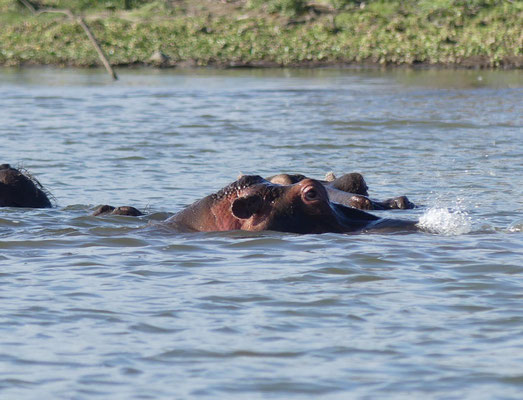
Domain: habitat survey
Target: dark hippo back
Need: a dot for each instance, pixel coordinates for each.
(21, 190)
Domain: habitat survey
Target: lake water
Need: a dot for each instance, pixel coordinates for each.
(121, 308)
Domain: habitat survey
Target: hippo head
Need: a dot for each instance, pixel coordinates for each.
(302, 207)
(254, 204)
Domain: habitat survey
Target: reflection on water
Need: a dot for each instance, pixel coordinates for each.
(121, 307)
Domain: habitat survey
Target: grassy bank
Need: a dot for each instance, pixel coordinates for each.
(474, 33)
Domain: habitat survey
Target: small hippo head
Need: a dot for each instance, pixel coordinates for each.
(122, 210)
(351, 183)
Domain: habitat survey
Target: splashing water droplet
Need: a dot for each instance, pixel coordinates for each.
(446, 221)
(516, 226)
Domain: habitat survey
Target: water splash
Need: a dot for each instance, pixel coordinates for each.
(516, 226)
(446, 221)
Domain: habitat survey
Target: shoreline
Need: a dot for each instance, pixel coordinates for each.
(268, 65)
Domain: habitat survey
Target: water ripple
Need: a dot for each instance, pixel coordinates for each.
(127, 308)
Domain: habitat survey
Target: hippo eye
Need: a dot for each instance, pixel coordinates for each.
(311, 194)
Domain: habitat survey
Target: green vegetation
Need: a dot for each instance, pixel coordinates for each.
(470, 33)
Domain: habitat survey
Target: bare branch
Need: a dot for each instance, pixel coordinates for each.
(97, 48)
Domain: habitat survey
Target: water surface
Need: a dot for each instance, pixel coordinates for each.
(118, 307)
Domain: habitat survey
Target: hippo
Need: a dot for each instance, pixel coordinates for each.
(20, 189)
(122, 210)
(350, 190)
(253, 203)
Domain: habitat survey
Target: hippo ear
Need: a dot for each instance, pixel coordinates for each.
(246, 207)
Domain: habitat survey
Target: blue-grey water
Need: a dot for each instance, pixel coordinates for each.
(123, 308)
